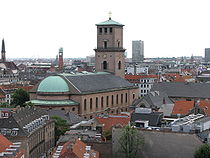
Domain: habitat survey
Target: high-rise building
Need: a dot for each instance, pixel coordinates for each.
(137, 51)
(109, 54)
(207, 54)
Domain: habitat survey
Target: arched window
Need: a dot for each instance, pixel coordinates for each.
(117, 99)
(112, 100)
(121, 98)
(119, 65)
(91, 103)
(85, 104)
(105, 67)
(133, 95)
(102, 102)
(96, 102)
(107, 101)
(105, 44)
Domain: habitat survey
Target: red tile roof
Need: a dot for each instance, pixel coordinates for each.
(127, 77)
(5, 143)
(79, 149)
(205, 105)
(182, 107)
(113, 120)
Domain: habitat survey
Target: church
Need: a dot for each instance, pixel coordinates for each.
(90, 94)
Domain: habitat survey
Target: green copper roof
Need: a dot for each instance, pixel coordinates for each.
(61, 49)
(54, 102)
(53, 84)
(110, 22)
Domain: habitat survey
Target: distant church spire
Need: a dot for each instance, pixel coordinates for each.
(3, 52)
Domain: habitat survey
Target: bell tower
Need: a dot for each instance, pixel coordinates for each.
(109, 54)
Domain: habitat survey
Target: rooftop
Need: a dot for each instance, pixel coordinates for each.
(109, 22)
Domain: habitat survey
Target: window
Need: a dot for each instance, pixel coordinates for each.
(105, 30)
(105, 65)
(119, 65)
(100, 30)
(126, 97)
(102, 102)
(121, 98)
(133, 95)
(141, 90)
(105, 44)
(107, 101)
(141, 85)
(96, 102)
(91, 103)
(85, 104)
(144, 91)
(112, 99)
(117, 99)
(110, 29)
(118, 44)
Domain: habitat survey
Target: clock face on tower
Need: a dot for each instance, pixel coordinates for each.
(104, 56)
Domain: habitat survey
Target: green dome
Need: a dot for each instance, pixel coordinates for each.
(53, 84)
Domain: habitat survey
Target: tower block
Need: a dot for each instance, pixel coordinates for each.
(109, 54)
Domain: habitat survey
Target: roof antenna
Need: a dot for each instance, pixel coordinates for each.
(110, 14)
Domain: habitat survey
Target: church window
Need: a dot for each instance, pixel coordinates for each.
(91, 103)
(119, 65)
(105, 65)
(107, 101)
(96, 102)
(110, 29)
(117, 99)
(102, 102)
(133, 95)
(126, 97)
(112, 99)
(121, 98)
(105, 44)
(85, 104)
(105, 30)
(100, 30)
(118, 44)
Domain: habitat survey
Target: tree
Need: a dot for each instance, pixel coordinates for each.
(131, 141)
(19, 97)
(203, 151)
(61, 126)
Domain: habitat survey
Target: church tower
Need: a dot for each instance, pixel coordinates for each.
(60, 59)
(109, 54)
(3, 52)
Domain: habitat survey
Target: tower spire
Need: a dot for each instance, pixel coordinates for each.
(3, 46)
(3, 57)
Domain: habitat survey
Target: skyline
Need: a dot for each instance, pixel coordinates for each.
(37, 29)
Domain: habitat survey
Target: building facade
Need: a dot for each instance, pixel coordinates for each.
(137, 51)
(30, 126)
(207, 54)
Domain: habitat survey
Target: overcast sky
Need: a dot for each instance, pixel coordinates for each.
(37, 28)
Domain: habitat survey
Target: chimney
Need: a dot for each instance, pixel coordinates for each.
(60, 59)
